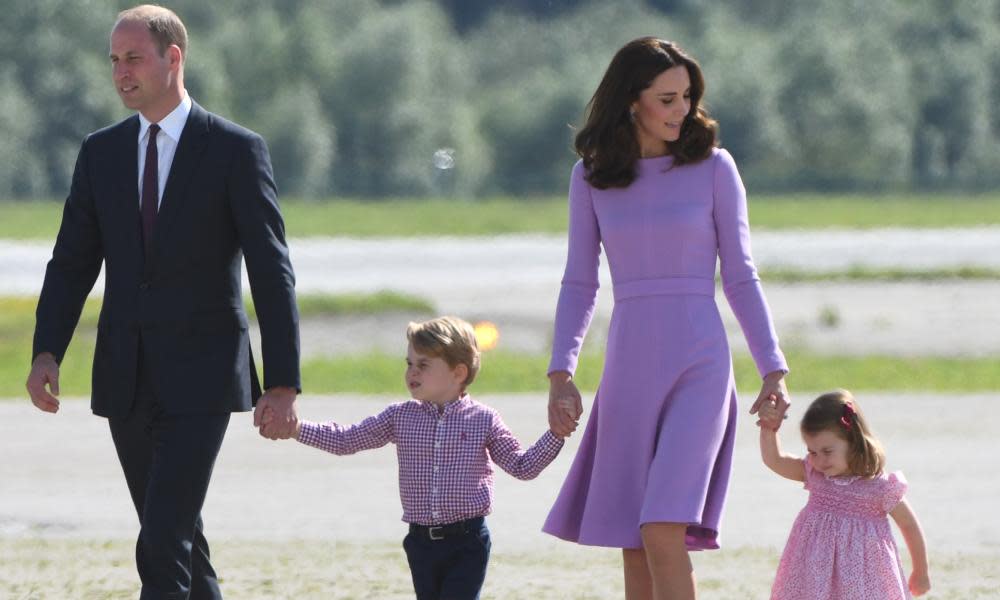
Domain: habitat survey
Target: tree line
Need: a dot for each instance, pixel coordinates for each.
(370, 98)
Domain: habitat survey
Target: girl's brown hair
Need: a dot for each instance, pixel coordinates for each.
(838, 411)
(607, 143)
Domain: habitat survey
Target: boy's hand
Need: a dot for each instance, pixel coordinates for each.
(772, 412)
(568, 407)
(281, 401)
(267, 416)
(919, 583)
(565, 404)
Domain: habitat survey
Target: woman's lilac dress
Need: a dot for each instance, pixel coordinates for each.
(659, 440)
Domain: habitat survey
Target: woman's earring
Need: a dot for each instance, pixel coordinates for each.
(631, 115)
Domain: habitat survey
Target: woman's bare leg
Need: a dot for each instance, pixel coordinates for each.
(638, 583)
(669, 564)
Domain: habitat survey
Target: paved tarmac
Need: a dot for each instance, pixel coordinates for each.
(60, 477)
(513, 280)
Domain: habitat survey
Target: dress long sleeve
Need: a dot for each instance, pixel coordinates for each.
(740, 281)
(578, 294)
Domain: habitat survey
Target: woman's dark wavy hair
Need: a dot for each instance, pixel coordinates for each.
(608, 144)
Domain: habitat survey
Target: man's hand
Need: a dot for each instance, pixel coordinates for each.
(44, 371)
(565, 405)
(283, 418)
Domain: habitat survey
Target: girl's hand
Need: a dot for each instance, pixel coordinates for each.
(919, 583)
(772, 413)
(773, 388)
(565, 405)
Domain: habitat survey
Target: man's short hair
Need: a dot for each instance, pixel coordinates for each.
(163, 24)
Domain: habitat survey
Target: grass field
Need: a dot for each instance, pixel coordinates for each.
(431, 217)
(510, 372)
(378, 373)
(507, 372)
(17, 313)
(304, 569)
(859, 273)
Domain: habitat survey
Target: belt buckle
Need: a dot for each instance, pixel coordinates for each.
(435, 533)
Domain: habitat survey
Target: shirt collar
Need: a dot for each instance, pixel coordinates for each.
(173, 123)
(449, 407)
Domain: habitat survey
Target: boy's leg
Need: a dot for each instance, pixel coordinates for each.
(467, 567)
(426, 565)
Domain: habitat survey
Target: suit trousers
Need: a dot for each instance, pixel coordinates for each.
(168, 461)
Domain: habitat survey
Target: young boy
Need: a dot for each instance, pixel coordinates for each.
(444, 444)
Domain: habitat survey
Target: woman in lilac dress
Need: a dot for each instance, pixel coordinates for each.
(652, 469)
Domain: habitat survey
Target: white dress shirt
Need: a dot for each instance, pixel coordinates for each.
(171, 127)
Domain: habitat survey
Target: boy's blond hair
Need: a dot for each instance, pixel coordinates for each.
(448, 338)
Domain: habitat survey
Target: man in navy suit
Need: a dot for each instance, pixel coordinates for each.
(171, 200)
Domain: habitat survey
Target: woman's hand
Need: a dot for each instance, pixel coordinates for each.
(773, 388)
(771, 413)
(565, 405)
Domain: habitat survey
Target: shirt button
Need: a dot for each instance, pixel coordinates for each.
(434, 490)
(437, 444)
(435, 468)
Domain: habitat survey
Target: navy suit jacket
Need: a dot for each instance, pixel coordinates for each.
(181, 307)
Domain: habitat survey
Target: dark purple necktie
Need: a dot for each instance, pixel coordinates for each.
(150, 190)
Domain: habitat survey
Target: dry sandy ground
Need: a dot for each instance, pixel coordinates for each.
(61, 493)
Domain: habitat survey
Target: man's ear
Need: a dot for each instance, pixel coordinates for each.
(175, 55)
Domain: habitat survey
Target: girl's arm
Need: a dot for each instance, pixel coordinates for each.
(786, 465)
(771, 415)
(902, 514)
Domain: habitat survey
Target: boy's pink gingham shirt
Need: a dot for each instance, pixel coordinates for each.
(444, 457)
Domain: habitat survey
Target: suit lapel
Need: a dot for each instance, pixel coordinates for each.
(189, 150)
(126, 198)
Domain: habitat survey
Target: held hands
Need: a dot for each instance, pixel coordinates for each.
(772, 413)
(772, 402)
(565, 404)
(44, 371)
(772, 388)
(276, 414)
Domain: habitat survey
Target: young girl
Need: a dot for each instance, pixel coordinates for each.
(841, 546)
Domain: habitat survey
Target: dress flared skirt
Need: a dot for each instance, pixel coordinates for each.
(658, 443)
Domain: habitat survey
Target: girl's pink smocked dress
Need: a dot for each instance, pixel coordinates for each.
(841, 545)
